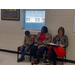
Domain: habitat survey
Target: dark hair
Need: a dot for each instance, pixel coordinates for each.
(27, 32)
(61, 28)
(45, 29)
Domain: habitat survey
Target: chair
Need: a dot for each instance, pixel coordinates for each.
(47, 53)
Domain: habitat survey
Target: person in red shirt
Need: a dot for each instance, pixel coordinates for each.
(40, 43)
(62, 41)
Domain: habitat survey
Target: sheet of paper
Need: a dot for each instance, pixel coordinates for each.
(53, 44)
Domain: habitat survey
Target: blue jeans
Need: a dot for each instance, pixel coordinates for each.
(24, 50)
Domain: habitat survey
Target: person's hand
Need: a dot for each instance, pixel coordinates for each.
(25, 45)
(61, 45)
(39, 43)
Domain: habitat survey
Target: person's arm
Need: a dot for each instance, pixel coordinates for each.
(25, 42)
(48, 39)
(61, 45)
(65, 41)
(37, 38)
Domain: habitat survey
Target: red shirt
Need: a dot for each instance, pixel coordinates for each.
(42, 37)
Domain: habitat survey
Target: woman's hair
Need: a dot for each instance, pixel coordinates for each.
(27, 32)
(61, 28)
(45, 29)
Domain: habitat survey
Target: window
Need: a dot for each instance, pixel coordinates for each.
(27, 19)
(33, 19)
(38, 19)
(74, 25)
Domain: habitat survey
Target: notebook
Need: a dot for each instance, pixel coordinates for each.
(52, 44)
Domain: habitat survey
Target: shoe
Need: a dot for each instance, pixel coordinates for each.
(32, 63)
(46, 62)
(35, 62)
(20, 59)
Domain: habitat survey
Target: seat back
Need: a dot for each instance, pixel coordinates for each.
(34, 35)
(53, 39)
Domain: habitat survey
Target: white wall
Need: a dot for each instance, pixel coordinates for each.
(0, 17)
(11, 35)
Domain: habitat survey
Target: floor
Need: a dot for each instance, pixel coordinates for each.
(11, 59)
